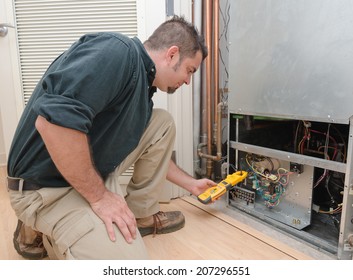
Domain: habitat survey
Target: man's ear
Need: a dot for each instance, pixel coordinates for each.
(173, 54)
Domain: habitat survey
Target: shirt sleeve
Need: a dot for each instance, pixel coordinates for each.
(83, 81)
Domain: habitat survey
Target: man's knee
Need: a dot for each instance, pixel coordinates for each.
(163, 119)
(96, 245)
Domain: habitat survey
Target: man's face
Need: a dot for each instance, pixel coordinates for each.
(176, 73)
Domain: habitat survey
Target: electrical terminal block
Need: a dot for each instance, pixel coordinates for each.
(243, 194)
(296, 167)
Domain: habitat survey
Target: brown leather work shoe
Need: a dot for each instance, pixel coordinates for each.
(161, 222)
(28, 242)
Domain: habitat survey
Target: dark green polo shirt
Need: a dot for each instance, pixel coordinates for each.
(101, 86)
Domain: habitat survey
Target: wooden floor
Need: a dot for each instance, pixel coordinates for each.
(207, 235)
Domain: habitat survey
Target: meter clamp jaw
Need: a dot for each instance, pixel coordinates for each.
(213, 193)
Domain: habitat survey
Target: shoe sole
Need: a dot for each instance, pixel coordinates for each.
(30, 256)
(150, 230)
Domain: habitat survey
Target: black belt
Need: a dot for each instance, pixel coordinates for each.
(15, 183)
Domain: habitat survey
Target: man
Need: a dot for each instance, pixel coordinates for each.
(88, 120)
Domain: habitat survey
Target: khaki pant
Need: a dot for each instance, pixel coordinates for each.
(70, 228)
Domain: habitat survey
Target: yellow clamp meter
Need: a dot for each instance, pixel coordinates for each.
(215, 192)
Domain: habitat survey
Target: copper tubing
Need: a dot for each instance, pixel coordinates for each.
(208, 74)
(217, 106)
(210, 157)
(216, 56)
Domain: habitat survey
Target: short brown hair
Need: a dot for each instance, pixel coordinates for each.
(178, 32)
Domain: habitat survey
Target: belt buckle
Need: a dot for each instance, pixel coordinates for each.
(20, 185)
(20, 182)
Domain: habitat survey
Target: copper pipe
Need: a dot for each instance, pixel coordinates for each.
(199, 122)
(208, 84)
(210, 157)
(204, 80)
(217, 106)
(216, 55)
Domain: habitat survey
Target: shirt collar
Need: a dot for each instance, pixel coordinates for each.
(147, 61)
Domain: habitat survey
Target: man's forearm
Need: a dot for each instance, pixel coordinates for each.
(179, 176)
(184, 180)
(69, 149)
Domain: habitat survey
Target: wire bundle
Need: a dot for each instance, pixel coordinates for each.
(269, 184)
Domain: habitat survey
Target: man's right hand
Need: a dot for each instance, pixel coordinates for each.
(112, 209)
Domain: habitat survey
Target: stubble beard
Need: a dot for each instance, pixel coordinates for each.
(171, 90)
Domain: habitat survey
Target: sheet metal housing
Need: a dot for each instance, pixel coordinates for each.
(294, 60)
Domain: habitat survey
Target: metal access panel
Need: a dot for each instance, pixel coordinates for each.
(292, 59)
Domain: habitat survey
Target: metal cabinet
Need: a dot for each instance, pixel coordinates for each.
(290, 108)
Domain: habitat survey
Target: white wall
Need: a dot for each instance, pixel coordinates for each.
(8, 105)
(2, 145)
